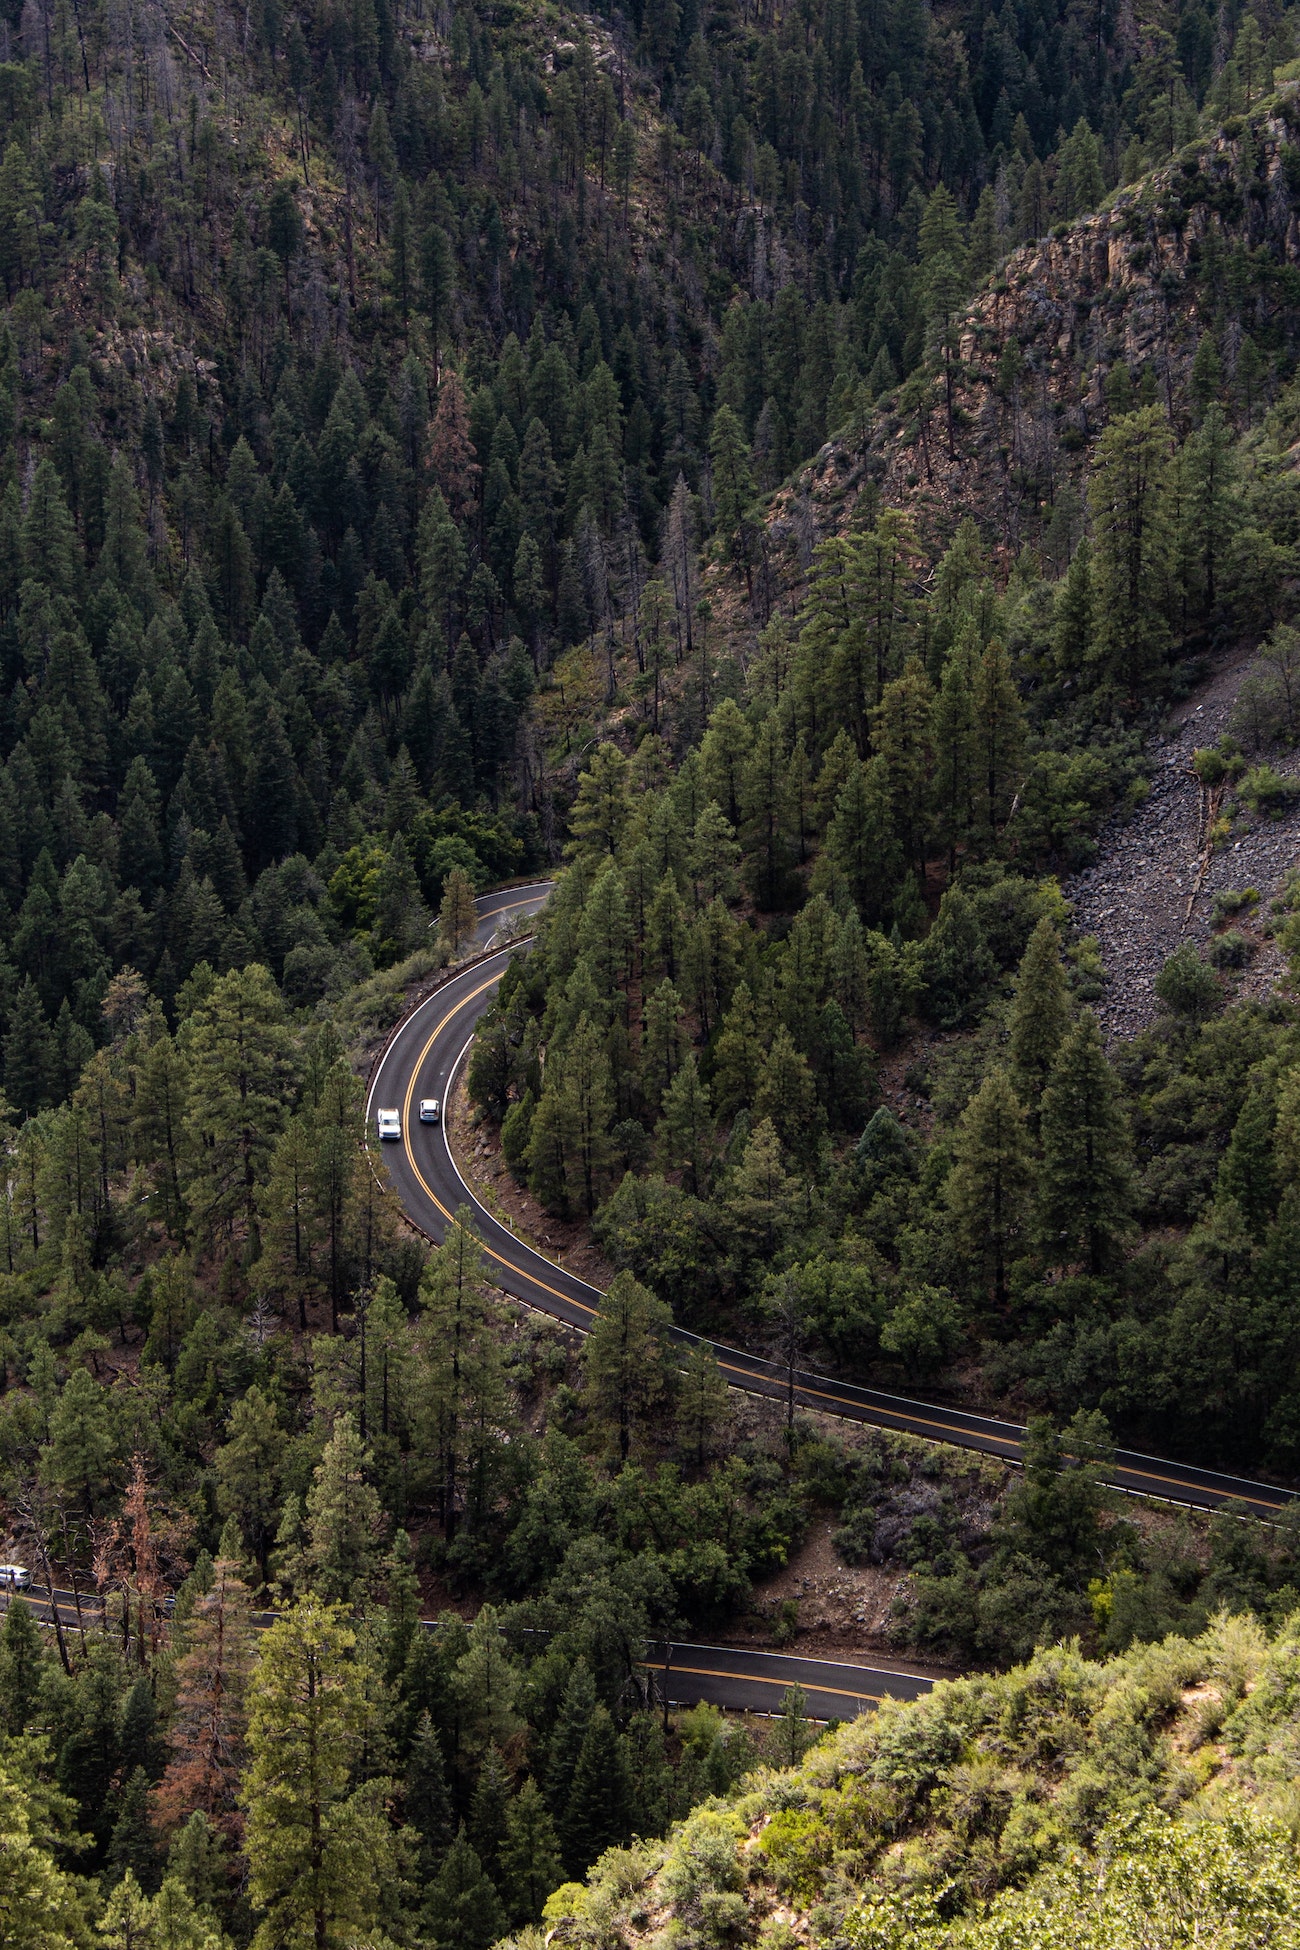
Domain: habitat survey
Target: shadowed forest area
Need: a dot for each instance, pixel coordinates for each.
(769, 469)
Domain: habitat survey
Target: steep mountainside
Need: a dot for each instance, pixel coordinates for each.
(1207, 245)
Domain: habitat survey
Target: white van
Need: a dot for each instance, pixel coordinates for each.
(14, 1577)
(390, 1124)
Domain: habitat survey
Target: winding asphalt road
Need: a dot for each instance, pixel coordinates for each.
(743, 1680)
(422, 1060)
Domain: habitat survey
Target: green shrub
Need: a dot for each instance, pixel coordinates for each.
(1230, 950)
(1265, 790)
(1213, 764)
(1187, 986)
(1232, 900)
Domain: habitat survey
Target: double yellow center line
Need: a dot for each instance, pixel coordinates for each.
(740, 1377)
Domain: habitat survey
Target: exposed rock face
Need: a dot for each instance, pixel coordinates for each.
(1214, 235)
(1138, 282)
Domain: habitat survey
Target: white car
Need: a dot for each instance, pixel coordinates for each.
(15, 1576)
(429, 1110)
(390, 1125)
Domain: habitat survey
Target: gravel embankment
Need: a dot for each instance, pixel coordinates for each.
(1152, 886)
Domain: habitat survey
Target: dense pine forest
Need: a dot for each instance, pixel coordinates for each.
(768, 469)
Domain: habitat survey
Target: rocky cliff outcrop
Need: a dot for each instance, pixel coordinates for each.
(1210, 242)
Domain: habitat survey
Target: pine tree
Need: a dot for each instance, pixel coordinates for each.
(194, 1862)
(704, 1409)
(530, 1855)
(605, 931)
(944, 298)
(271, 818)
(863, 858)
(425, 1800)
(22, 1659)
(733, 487)
(787, 1096)
(487, 1814)
(451, 450)
(401, 923)
(485, 1685)
(713, 856)
(29, 1053)
(459, 1394)
(319, 1853)
(998, 737)
(901, 731)
(345, 1519)
(206, 1732)
(401, 256)
(586, 1109)
(664, 933)
(21, 215)
(231, 579)
(628, 1369)
(248, 1471)
(132, 1846)
(985, 246)
(794, 1734)
(598, 1813)
(81, 1452)
(568, 1734)
(1248, 1173)
(1040, 1014)
(956, 961)
(1072, 630)
(1212, 513)
(1079, 181)
(287, 1265)
(437, 283)
(767, 823)
(737, 1056)
(241, 1059)
(990, 1186)
(457, 917)
(600, 812)
(1131, 526)
(462, 1906)
(1207, 374)
(441, 561)
(51, 552)
(724, 755)
(1085, 1181)
(664, 1042)
(401, 1619)
(762, 1197)
(685, 1134)
(340, 1182)
(955, 755)
(138, 810)
(138, 1735)
(545, 1152)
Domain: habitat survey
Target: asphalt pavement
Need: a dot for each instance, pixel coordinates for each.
(733, 1677)
(422, 1061)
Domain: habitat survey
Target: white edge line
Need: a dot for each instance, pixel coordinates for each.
(904, 1401)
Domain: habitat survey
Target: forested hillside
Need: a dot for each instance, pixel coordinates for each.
(1145, 1801)
(445, 446)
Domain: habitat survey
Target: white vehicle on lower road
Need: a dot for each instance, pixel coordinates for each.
(390, 1124)
(15, 1576)
(430, 1110)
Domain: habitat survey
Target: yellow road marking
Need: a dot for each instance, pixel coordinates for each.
(507, 905)
(759, 1679)
(944, 1430)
